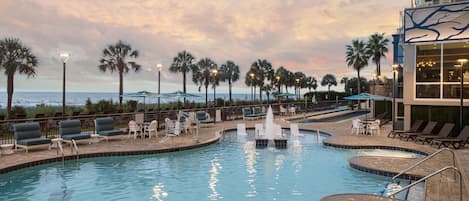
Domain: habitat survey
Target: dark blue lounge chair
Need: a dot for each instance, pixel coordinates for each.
(28, 135)
(71, 130)
(105, 127)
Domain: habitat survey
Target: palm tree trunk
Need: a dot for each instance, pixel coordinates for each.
(286, 88)
(359, 88)
(229, 86)
(121, 88)
(206, 96)
(378, 68)
(260, 94)
(328, 92)
(184, 86)
(9, 92)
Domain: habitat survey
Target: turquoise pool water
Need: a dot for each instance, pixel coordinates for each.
(230, 170)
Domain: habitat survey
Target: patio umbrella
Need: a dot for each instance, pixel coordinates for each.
(367, 97)
(285, 95)
(179, 94)
(142, 94)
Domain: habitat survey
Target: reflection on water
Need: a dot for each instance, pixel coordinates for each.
(158, 192)
(212, 184)
(250, 151)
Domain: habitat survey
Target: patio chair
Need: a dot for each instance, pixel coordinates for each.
(373, 128)
(283, 110)
(416, 127)
(241, 129)
(248, 114)
(426, 131)
(70, 132)
(257, 112)
(151, 129)
(444, 133)
(172, 129)
(460, 141)
(28, 135)
(357, 127)
(203, 118)
(292, 110)
(134, 129)
(104, 127)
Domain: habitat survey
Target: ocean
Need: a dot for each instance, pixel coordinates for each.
(31, 99)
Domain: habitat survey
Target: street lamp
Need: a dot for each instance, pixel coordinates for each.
(297, 88)
(64, 58)
(252, 75)
(395, 72)
(278, 86)
(461, 106)
(214, 74)
(159, 67)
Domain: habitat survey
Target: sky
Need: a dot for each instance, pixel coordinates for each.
(304, 35)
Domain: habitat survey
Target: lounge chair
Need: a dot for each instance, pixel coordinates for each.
(28, 135)
(460, 141)
(104, 127)
(248, 114)
(414, 129)
(70, 132)
(257, 111)
(203, 118)
(444, 133)
(426, 131)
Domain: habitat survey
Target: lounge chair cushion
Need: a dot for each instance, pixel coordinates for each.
(78, 136)
(206, 121)
(69, 127)
(110, 132)
(247, 111)
(251, 115)
(104, 124)
(201, 115)
(27, 130)
(33, 141)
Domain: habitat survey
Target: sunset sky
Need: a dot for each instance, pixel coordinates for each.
(305, 35)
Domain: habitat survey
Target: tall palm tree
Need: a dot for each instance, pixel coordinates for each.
(264, 71)
(115, 59)
(15, 57)
(183, 63)
(268, 88)
(203, 75)
(230, 73)
(344, 81)
(329, 80)
(377, 49)
(301, 83)
(356, 57)
(282, 74)
(311, 83)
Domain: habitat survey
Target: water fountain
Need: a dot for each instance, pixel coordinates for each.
(271, 135)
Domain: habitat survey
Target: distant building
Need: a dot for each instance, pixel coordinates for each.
(431, 46)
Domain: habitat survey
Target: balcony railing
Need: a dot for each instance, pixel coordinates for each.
(425, 3)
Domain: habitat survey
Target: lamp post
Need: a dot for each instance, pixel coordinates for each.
(278, 87)
(214, 74)
(252, 75)
(63, 57)
(297, 88)
(461, 106)
(395, 71)
(159, 67)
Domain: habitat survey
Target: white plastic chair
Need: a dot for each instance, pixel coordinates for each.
(134, 129)
(152, 129)
(357, 127)
(373, 128)
(140, 118)
(259, 129)
(241, 129)
(283, 110)
(292, 111)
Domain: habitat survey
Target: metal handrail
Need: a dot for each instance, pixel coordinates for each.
(392, 195)
(423, 160)
(74, 146)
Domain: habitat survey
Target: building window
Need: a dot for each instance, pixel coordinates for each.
(438, 68)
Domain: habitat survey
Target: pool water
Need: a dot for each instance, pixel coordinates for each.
(230, 170)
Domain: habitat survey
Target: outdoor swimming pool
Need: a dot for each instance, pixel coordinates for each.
(230, 170)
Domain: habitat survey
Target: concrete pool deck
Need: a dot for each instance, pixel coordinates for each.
(340, 130)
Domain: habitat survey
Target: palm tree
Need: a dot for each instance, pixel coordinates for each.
(263, 70)
(311, 83)
(15, 57)
(300, 82)
(344, 81)
(268, 88)
(357, 57)
(202, 76)
(329, 80)
(377, 49)
(115, 59)
(282, 73)
(183, 63)
(230, 73)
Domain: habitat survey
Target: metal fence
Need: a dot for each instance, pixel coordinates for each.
(49, 125)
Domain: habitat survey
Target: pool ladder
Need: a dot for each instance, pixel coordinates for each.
(437, 172)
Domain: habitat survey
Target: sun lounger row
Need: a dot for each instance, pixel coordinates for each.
(424, 134)
(253, 113)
